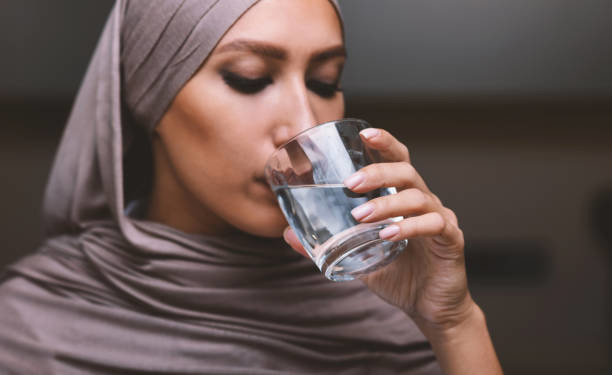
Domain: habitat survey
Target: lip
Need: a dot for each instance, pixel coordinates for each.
(266, 192)
(262, 180)
(264, 183)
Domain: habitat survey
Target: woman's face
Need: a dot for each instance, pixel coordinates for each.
(274, 73)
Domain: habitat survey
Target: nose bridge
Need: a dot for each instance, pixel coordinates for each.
(300, 113)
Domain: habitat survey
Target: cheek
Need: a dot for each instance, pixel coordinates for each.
(218, 142)
(226, 135)
(218, 146)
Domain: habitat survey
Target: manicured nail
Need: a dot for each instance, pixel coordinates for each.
(362, 211)
(290, 236)
(388, 232)
(369, 133)
(286, 231)
(354, 181)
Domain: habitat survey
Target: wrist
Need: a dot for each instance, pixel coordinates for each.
(465, 347)
(456, 325)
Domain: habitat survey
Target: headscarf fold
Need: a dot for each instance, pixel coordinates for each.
(109, 292)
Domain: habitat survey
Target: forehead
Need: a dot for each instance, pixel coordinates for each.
(296, 25)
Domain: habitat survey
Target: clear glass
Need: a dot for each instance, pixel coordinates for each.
(306, 174)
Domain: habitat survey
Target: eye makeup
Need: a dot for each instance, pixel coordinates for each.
(323, 89)
(243, 84)
(251, 86)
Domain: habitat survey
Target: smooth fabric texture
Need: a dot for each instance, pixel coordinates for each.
(110, 293)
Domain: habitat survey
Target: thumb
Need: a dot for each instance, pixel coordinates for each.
(291, 238)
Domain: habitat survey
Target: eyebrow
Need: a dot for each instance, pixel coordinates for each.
(276, 52)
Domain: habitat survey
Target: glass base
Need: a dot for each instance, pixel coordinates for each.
(357, 251)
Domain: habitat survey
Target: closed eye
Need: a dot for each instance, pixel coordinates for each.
(245, 85)
(323, 89)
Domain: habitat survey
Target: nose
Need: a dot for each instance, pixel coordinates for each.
(296, 112)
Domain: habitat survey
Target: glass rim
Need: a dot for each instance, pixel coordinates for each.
(348, 119)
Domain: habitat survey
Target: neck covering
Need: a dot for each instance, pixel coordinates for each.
(109, 292)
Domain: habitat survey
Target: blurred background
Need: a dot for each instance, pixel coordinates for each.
(505, 106)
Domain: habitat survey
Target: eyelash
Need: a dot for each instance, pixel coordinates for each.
(245, 85)
(252, 86)
(324, 90)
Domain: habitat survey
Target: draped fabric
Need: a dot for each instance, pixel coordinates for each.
(111, 293)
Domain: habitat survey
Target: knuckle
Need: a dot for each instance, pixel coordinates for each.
(437, 222)
(458, 242)
(387, 138)
(451, 214)
(378, 174)
(380, 181)
(410, 171)
(404, 152)
(436, 199)
(381, 204)
(418, 199)
(370, 173)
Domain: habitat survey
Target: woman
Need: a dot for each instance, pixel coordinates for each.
(161, 254)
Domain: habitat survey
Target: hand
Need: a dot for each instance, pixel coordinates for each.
(428, 279)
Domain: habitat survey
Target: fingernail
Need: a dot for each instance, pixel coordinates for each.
(355, 180)
(388, 232)
(369, 133)
(286, 233)
(362, 211)
(289, 235)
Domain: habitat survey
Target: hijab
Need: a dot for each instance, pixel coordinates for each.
(110, 292)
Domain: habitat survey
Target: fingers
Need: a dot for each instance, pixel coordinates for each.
(408, 202)
(396, 172)
(432, 224)
(401, 175)
(389, 147)
(426, 217)
(290, 237)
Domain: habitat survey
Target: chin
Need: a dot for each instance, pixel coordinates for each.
(268, 221)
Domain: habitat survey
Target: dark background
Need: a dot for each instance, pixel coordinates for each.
(505, 106)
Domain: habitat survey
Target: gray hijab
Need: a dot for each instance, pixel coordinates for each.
(111, 293)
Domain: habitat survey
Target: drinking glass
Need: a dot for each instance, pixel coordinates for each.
(306, 174)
